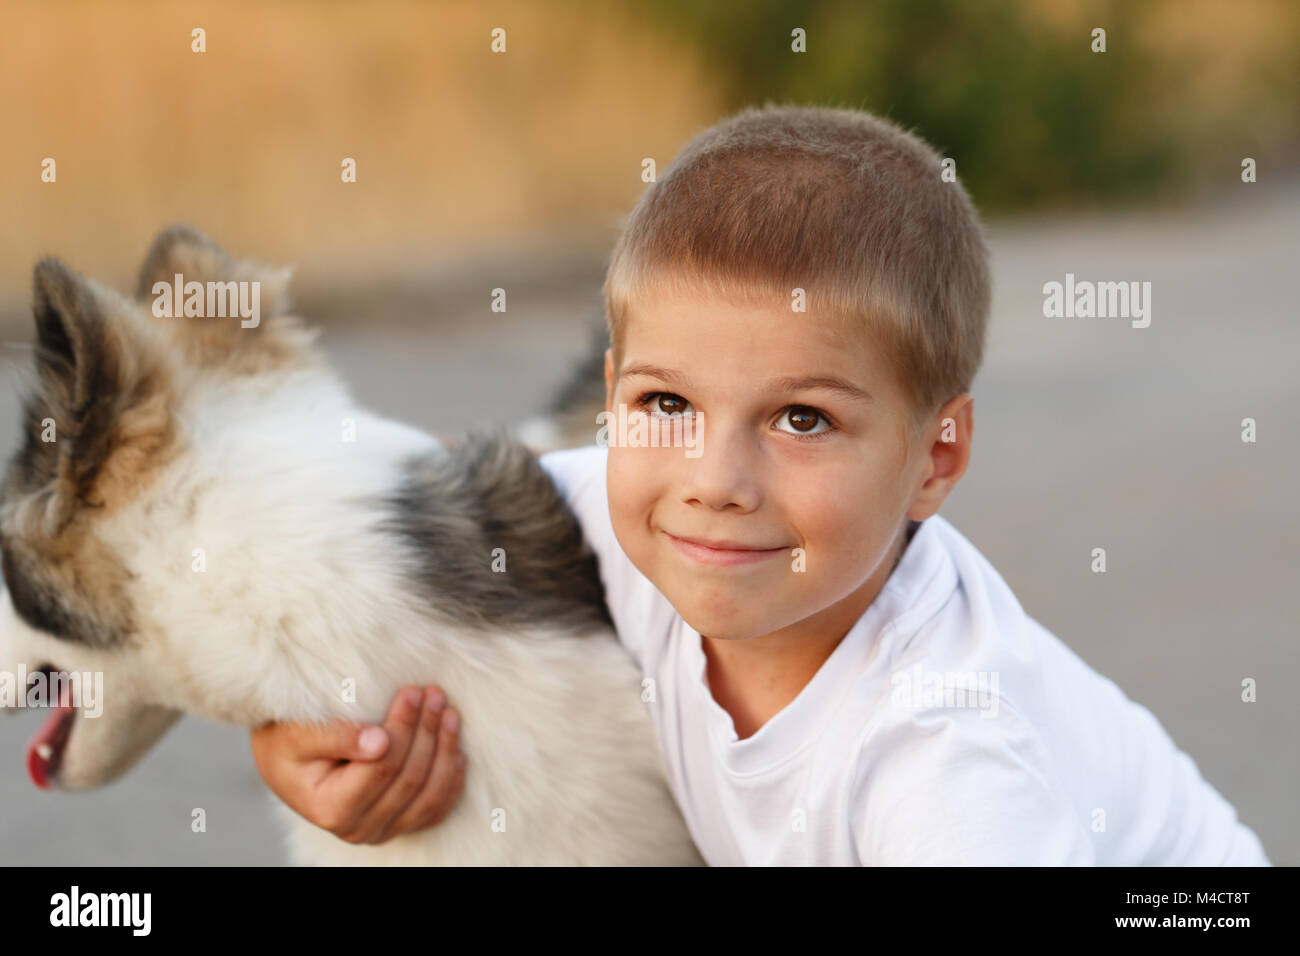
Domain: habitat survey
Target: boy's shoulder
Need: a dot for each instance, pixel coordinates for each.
(946, 757)
(952, 638)
(975, 715)
(641, 615)
(938, 785)
(579, 476)
(579, 463)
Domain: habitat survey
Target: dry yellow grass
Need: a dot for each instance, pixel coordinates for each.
(455, 145)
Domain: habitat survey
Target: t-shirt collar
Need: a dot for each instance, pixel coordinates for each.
(918, 587)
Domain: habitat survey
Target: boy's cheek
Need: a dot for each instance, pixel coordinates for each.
(622, 478)
(634, 536)
(833, 562)
(632, 495)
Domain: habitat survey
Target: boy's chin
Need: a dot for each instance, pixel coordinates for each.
(724, 627)
(724, 612)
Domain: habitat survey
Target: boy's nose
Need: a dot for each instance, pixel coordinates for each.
(724, 474)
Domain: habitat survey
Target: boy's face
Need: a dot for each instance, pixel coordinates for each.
(780, 465)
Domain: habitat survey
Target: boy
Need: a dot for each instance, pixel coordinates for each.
(839, 676)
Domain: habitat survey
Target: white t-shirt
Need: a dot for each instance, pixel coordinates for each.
(948, 727)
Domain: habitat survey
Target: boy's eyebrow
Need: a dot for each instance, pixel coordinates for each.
(654, 371)
(793, 383)
(831, 383)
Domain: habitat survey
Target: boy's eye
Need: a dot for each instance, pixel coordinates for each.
(664, 403)
(804, 421)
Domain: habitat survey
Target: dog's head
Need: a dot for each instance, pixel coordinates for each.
(151, 457)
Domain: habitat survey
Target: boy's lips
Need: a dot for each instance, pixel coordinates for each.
(723, 553)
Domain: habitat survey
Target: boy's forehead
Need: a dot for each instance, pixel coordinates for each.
(792, 353)
(701, 329)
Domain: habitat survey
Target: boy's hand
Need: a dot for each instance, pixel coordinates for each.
(363, 784)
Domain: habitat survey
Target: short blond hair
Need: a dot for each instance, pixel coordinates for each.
(837, 202)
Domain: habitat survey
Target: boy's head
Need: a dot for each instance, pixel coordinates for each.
(806, 284)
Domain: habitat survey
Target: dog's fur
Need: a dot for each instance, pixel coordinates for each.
(187, 443)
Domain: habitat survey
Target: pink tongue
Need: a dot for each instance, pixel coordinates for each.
(43, 749)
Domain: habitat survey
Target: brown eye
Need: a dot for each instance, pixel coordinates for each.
(668, 404)
(804, 421)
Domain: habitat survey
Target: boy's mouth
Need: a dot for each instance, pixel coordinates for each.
(722, 553)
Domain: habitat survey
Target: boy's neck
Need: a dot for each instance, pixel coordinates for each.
(753, 680)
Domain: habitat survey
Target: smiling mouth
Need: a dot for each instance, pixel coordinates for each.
(45, 749)
(722, 557)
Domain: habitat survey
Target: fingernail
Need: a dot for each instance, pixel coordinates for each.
(413, 696)
(372, 740)
(435, 700)
(451, 721)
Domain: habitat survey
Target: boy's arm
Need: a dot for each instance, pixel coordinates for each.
(955, 787)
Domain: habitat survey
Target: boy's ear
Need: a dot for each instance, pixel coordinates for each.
(947, 459)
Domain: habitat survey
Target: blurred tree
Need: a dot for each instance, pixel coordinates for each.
(1012, 91)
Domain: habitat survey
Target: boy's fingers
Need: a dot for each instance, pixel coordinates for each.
(350, 790)
(383, 816)
(338, 740)
(296, 759)
(445, 780)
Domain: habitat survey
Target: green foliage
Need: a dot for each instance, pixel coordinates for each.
(1030, 113)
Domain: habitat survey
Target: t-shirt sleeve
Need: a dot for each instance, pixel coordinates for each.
(579, 475)
(957, 787)
(641, 614)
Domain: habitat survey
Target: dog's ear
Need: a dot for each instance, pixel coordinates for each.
(184, 251)
(71, 360)
(226, 342)
(101, 401)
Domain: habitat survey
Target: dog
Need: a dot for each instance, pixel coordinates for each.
(200, 512)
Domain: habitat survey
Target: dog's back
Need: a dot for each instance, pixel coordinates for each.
(567, 767)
